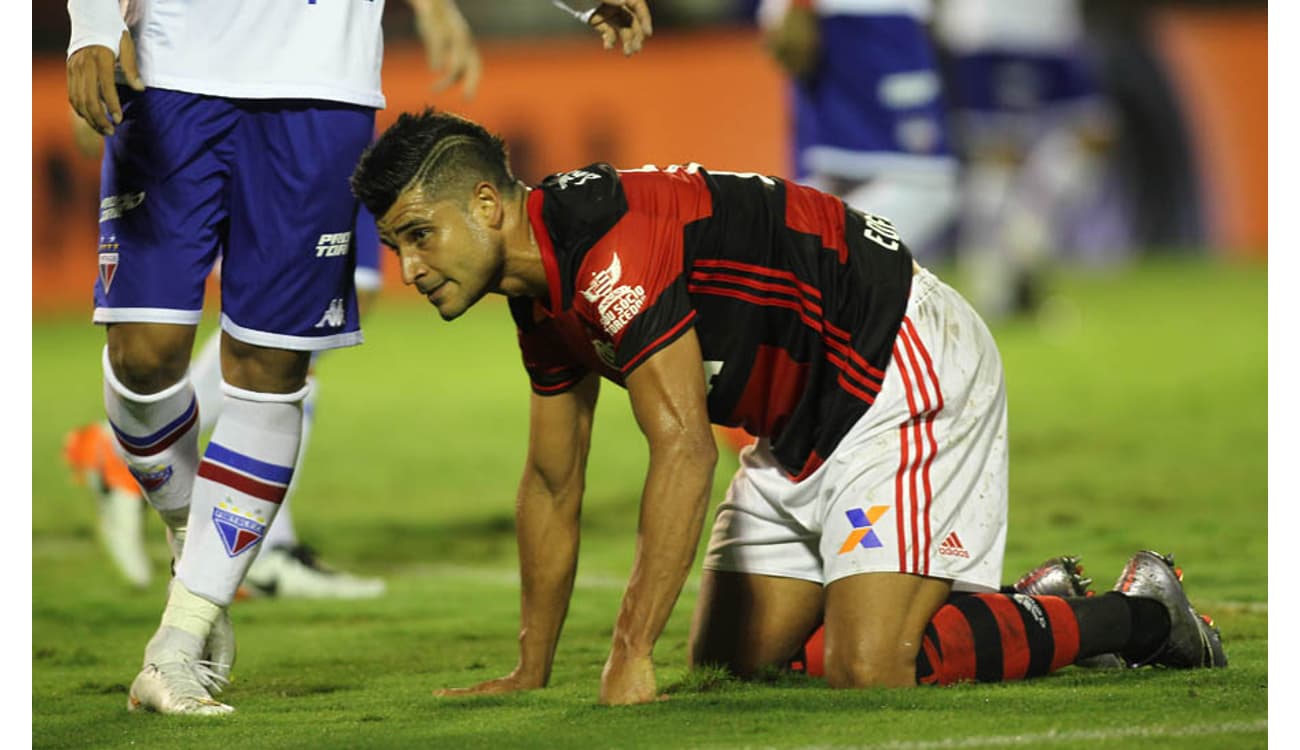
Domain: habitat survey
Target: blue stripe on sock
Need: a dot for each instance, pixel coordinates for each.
(148, 440)
(260, 469)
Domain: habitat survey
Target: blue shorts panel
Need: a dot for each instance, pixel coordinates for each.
(1010, 82)
(876, 90)
(163, 207)
(287, 274)
(261, 183)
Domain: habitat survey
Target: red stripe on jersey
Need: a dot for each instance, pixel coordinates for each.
(812, 212)
(556, 388)
(812, 464)
(956, 643)
(800, 306)
(549, 263)
(775, 273)
(844, 382)
(1065, 630)
(654, 345)
(834, 330)
(1011, 631)
(776, 287)
(272, 493)
(772, 390)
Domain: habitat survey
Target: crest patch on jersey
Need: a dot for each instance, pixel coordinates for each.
(238, 531)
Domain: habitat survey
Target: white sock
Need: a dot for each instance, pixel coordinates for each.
(205, 374)
(282, 533)
(158, 437)
(189, 612)
(242, 480)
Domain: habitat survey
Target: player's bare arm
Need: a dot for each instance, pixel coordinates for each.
(448, 44)
(668, 400)
(92, 91)
(547, 520)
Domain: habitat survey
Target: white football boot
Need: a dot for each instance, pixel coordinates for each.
(175, 680)
(295, 572)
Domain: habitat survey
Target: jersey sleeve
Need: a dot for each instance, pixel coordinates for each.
(551, 370)
(631, 292)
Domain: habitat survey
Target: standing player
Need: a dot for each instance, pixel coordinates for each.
(878, 486)
(869, 124)
(241, 145)
(1034, 128)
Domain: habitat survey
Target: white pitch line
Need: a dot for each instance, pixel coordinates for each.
(1051, 737)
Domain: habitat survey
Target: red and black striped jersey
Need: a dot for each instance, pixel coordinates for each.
(795, 297)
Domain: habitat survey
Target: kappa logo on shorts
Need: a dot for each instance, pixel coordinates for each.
(333, 245)
(952, 546)
(238, 530)
(153, 477)
(114, 206)
(862, 534)
(334, 316)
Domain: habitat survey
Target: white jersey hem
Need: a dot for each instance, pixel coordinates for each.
(279, 90)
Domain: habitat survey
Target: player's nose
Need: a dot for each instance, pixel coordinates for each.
(412, 268)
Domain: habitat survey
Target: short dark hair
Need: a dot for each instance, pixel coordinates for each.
(441, 151)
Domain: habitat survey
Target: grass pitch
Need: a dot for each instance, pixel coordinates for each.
(1138, 419)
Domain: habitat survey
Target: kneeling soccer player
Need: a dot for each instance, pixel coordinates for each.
(879, 484)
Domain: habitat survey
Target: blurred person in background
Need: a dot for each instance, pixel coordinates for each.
(869, 117)
(1034, 130)
(275, 108)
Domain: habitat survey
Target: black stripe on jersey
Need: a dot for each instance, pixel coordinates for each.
(984, 632)
(578, 213)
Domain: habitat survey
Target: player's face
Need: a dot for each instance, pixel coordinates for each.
(449, 251)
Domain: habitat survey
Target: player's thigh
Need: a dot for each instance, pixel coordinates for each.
(746, 622)
(162, 213)
(288, 275)
(761, 593)
(874, 625)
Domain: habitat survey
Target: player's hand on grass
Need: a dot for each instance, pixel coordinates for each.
(92, 91)
(623, 22)
(511, 683)
(448, 45)
(628, 680)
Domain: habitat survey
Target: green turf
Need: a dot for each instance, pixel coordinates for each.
(1138, 418)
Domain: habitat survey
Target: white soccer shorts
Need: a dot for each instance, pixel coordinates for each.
(918, 485)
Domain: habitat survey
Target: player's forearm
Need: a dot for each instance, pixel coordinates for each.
(547, 528)
(673, 506)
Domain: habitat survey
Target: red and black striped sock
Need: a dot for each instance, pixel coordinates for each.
(997, 638)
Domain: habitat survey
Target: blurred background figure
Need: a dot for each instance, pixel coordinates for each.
(1035, 131)
(869, 123)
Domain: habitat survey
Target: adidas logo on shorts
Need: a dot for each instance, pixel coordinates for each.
(952, 547)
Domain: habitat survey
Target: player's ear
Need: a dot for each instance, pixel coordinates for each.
(486, 205)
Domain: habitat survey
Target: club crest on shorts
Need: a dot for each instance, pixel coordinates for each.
(862, 535)
(238, 529)
(107, 261)
(153, 477)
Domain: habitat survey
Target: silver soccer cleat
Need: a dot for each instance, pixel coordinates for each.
(174, 680)
(1193, 640)
(1059, 576)
(1063, 576)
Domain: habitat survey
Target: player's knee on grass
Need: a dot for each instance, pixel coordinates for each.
(874, 627)
(747, 624)
(149, 357)
(261, 369)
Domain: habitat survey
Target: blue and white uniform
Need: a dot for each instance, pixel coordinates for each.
(872, 114)
(241, 146)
